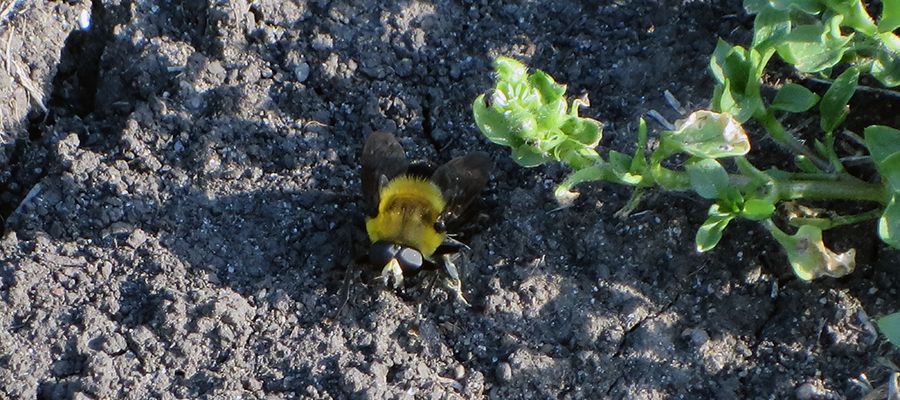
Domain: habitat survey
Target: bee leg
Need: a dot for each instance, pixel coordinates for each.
(392, 272)
(453, 282)
(428, 289)
(449, 241)
(345, 290)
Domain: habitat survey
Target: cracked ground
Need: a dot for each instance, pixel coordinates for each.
(181, 200)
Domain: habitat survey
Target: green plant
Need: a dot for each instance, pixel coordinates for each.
(890, 326)
(529, 114)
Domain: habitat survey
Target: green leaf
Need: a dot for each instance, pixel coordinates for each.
(509, 69)
(834, 103)
(528, 156)
(737, 70)
(619, 161)
(491, 123)
(758, 60)
(820, 146)
(770, 27)
(886, 67)
(811, 7)
(717, 61)
(794, 98)
(665, 178)
(584, 130)
(548, 88)
(639, 161)
(882, 141)
(707, 177)
(757, 209)
(811, 259)
(576, 155)
(889, 325)
(723, 100)
(564, 194)
(710, 180)
(710, 232)
(854, 15)
(523, 125)
(889, 168)
(813, 48)
(889, 223)
(551, 114)
(707, 134)
(529, 114)
(890, 16)
(621, 167)
(755, 6)
(806, 165)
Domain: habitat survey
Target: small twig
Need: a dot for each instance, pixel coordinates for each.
(854, 137)
(29, 85)
(894, 387)
(674, 103)
(28, 197)
(662, 120)
(7, 9)
(17, 69)
(8, 63)
(855, 160)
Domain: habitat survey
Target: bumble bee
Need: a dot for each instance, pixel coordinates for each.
(409, 210)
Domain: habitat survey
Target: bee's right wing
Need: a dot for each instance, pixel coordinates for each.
(383, 159)
(461, 181)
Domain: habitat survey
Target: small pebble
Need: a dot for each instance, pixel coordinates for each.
(84, 19)
(459, 372)
(301, 72)
(807, 391)
(504, 372)
(699, 337)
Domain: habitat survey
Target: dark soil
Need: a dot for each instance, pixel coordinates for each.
(181, 203)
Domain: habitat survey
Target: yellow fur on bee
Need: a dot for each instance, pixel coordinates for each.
(407, 212)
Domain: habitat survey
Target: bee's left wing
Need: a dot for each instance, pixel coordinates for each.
(382, 159)
(461, 180)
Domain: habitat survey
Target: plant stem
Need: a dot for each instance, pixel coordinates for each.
(842, 188)
(828, 223)
(778, 234)
(785, 139)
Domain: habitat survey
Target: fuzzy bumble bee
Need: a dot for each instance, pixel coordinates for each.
(409, 210)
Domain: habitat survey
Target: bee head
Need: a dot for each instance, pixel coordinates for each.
(410, 260)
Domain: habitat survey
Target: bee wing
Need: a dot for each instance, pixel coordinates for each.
(461, 180)
(383, 159)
